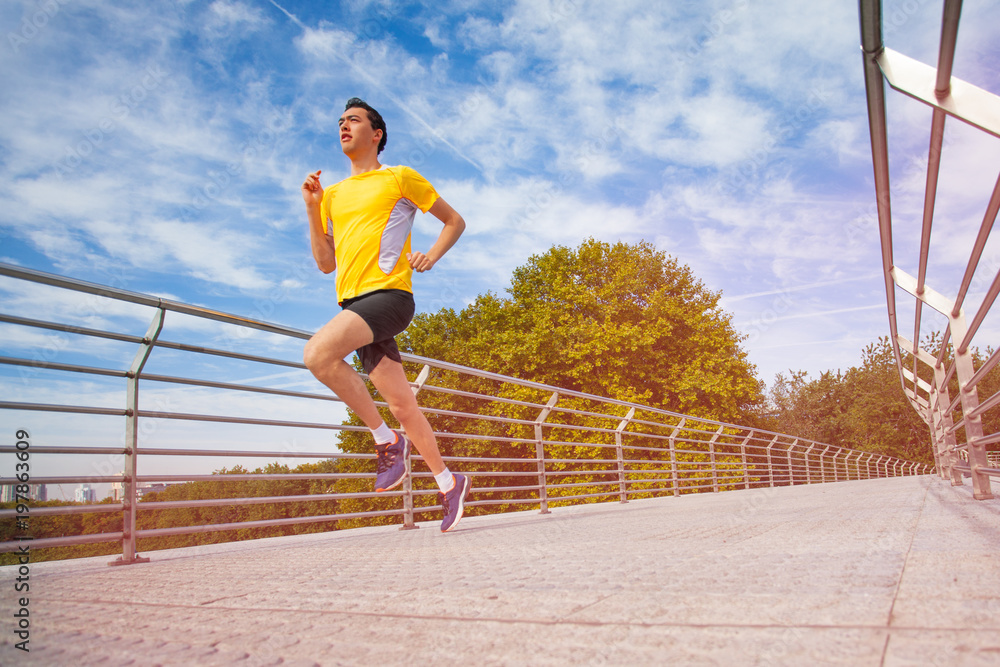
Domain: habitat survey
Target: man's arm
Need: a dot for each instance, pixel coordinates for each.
(454, 225)
(322, 244)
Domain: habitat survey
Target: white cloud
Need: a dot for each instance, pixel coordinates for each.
(235, 16)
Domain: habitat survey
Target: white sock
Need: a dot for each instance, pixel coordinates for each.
(445, 480)
(383, 435)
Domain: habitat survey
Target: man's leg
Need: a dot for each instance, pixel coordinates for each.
(390, 380)
(324, 357)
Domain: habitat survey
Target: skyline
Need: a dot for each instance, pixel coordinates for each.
(160, 149)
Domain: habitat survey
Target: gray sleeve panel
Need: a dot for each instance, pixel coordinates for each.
(397, 230)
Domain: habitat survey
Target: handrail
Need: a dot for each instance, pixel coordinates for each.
(556, 446)
(927, 379)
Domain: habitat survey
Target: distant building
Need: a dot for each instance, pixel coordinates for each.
(143, 489)
(8, 494)
(118, 490)
(85, 494)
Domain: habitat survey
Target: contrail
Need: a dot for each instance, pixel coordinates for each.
(798, 288)
(293, 17)
(822, 313)
(786, 344)
(399, 103)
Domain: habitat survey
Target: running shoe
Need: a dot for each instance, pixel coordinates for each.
(453, 502)
(390, 469)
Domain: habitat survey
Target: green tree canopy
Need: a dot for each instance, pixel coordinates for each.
(865, 408)
(624, 321)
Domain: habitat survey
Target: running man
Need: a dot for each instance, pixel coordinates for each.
(360, 227)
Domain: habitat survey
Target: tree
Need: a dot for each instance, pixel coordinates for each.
(621, 321)
(865, 407)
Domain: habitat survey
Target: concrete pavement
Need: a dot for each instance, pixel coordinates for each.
(902, 571)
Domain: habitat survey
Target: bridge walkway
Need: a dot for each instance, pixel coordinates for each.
(898, 571)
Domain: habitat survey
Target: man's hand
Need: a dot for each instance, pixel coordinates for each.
(312, 191)
(454, 225)
(419, 262)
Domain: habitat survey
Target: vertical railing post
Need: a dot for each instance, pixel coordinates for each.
(673, 457)
(770, 462)
(965, 370)
(409, 523)
(130, 491)
(743, 458)
(806, 456)
(868, 465)
(943, 423)
(836, 471)
(623, 491)
(822, 463)
(711, 458)
(788, 457)
(543, 494)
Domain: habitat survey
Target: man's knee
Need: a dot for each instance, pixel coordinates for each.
(317, 356)
(310, 354)
(405, 410)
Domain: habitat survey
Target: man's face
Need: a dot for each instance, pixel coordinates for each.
(356, 133)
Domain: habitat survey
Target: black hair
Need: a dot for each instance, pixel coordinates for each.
(374, 117)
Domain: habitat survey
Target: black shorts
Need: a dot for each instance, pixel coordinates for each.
(386, 312)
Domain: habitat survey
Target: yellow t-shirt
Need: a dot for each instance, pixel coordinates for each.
(370, 217)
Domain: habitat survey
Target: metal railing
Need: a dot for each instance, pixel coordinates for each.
(932, 378)
(526, 445)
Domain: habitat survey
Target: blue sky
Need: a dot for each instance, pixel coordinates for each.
(159, 147)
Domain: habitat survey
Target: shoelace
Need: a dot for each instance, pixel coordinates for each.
(444, 496)
(386, 458)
